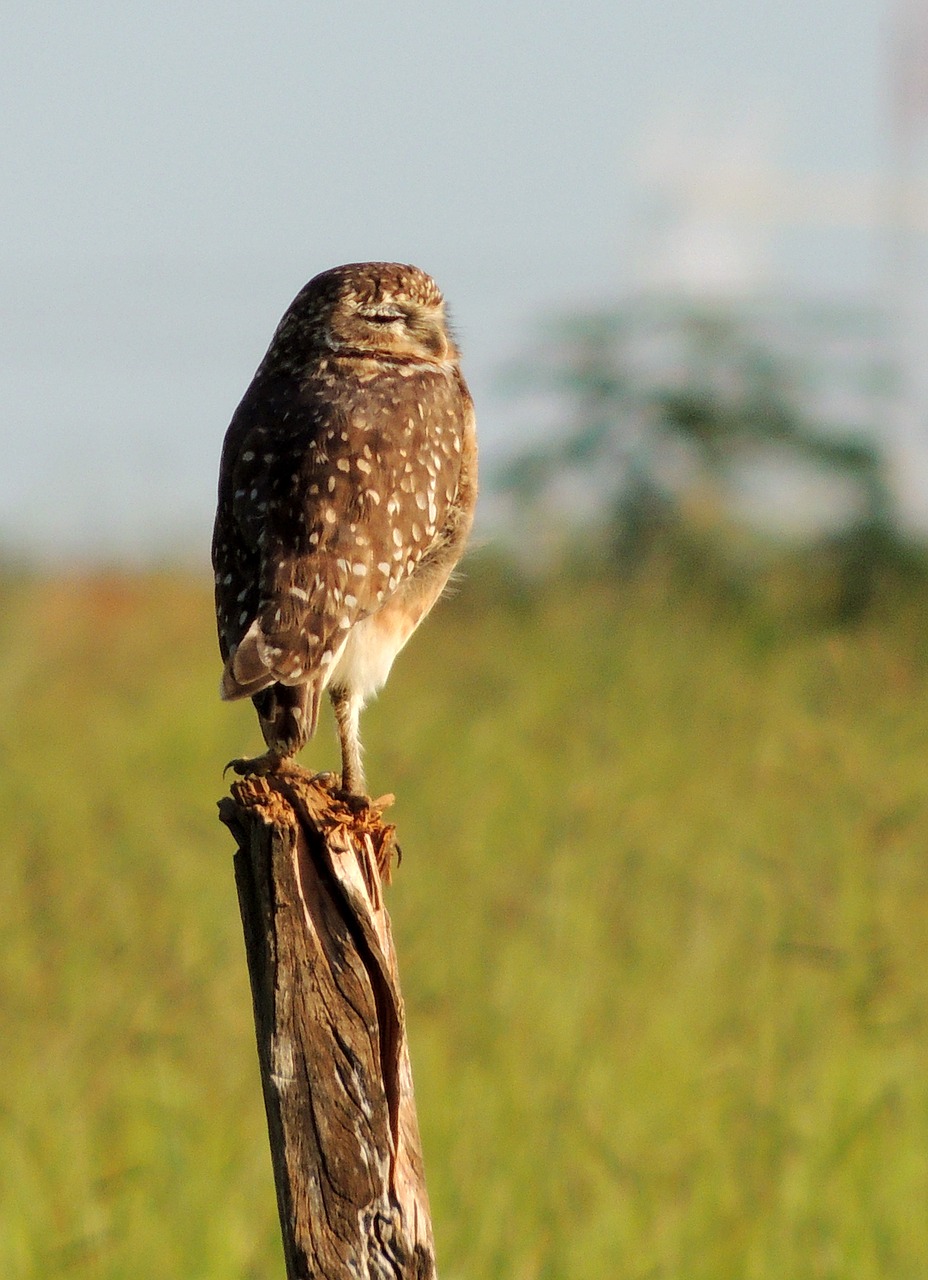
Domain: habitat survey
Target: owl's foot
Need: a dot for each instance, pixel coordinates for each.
(262, 766)
(359, 802)
(354, 800)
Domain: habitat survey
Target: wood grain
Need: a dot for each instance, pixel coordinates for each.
(331, 1031)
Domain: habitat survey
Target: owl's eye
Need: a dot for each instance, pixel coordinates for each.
(382, 317)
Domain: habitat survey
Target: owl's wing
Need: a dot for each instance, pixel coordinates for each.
(336, 507)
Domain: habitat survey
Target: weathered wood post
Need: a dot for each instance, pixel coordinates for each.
(331, 1032)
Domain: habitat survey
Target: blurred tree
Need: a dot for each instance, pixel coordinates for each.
(663, 418)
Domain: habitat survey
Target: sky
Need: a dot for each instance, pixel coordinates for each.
(173, 174)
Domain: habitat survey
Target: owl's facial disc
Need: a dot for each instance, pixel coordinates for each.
(401, 327)
(430, 334)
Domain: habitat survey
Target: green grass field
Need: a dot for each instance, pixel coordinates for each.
(662, 921)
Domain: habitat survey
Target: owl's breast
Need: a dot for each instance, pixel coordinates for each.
(372, 645)
(365, 661)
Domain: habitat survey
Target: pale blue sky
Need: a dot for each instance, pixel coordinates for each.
(173, 173)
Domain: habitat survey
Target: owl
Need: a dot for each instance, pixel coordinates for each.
(346, 494)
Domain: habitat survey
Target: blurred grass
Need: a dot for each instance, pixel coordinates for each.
(662, 922)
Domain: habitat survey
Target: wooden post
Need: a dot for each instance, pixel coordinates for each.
(331, 1032)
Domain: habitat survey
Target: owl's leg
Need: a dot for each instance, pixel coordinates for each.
(282, 714)
(347, 707)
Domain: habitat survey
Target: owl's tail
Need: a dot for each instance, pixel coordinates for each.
(286, 699)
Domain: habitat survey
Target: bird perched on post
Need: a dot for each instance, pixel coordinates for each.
(346, 493)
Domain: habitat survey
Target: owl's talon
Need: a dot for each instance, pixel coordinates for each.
(262, 766)
(327, 780)
(243, 766)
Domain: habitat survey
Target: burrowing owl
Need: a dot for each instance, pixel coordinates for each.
(346, 492)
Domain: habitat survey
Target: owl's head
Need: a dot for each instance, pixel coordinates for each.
(381, 308)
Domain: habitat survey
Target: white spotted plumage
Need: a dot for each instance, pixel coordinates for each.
(346, 494)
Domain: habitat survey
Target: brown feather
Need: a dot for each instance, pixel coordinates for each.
(347, 489)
